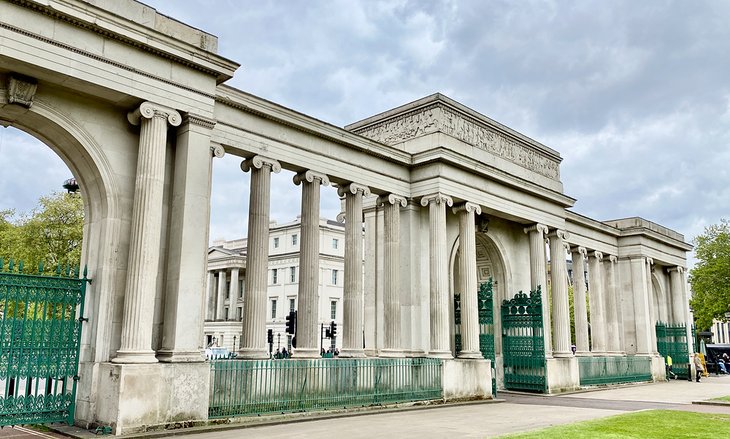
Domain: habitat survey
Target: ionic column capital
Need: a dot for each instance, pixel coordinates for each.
(149, 110)
(596, 254)
(468, 207)
(562, 234)
(217, 151)
(650, 261)
(353, 188)
(392, 199)
(309, 176)
(580, 250)
(437, 198)
(678, 269)
(258, 162)
(612, 259)
(541, 228)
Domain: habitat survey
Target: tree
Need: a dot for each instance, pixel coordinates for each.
(710, 278)
(52, 233)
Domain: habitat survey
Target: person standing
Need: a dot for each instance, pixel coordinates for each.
(698, 366)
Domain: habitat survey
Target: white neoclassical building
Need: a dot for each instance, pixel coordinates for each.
(225, 295)
(438, 200)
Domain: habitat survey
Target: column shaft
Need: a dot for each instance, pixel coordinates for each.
(143, 266)
(675, 285)
(596, 298)
(439, 275)
(391, 266)
(233, 294)
(559, 282)
(468, 271)
(210, 297)
(353, 294)
(612, 303)
(641, 306)
(253, 336)
(370, 281)
(538, 278)
(579, 302)
(307, 337)
(653, 311)
(220, 310)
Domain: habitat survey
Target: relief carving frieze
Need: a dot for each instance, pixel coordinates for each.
(440, 118)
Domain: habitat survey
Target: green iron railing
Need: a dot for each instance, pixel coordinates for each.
(672, 340)
(485, 296)
(613, 370)
(40, 335)
(523, 344)
(249, 387)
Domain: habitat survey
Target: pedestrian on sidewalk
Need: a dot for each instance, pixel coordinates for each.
(698, 366)
(669, 373)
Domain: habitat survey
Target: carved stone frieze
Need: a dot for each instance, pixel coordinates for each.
(441, 118)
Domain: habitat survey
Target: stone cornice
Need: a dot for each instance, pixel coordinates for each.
(87, 16)
(437, 113)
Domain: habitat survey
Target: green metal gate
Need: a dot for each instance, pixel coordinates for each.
(485, 300)
(523, 344)
(40, 334)
(672, 340)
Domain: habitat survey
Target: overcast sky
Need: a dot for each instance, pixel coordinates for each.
(634, 95)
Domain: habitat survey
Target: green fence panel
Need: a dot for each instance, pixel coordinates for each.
(613, 370)
(252, 387)
(672, 340)
(40, 334)
(523, 344)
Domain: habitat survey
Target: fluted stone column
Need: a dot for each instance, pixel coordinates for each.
(184, 307)
(468, 272)
(220, 309)
(233, 294)
(143, 265)
(559, 282)
(675, 285)
(370, 313)
(253, 335)
(612, 302)
(641, 305)
(652, 310)
(352, 324)
(596, 299)
(538, 278)
(308, 309)
(579, 301)
(391, 265)
(439, 275)
(210, 297)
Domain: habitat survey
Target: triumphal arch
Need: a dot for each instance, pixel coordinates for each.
(465, 268)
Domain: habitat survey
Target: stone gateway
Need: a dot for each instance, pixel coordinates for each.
(437, 199)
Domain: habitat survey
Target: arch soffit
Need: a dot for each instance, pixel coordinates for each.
(495, 252)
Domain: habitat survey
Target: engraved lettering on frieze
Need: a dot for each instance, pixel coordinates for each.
(441, 118)
(21, 90)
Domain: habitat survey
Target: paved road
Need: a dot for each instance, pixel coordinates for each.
(26, 433)
(495, 419)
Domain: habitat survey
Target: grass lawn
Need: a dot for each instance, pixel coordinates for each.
(722, 398)
(647, 424)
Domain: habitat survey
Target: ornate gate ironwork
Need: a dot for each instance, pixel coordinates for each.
(40, 335)
(485, 297)
(672, 340)
(523, 345)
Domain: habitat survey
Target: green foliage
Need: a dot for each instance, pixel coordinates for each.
(710, 278)
(51, 233)
(660, 424)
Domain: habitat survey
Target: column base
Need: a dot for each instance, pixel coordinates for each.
(466, 355)
(135, 357)
(306, 353)
(352, 353)
(415, 353)
(582, 353)
(563, 354)
(440, 354)
(253, 354)
(371, 352)
(180, 356)
(391, 353)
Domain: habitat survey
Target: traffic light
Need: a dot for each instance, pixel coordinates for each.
(291, 323)
(333, 329)
(270, 336)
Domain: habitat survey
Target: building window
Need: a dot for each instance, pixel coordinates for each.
(225, 314)
(273, 309)
(335, 243)
(333, 309)
(276, 242)
(239, 313)
(292, 303)
(292, 274)
(334, 276)
(274, 276)
(294, 239)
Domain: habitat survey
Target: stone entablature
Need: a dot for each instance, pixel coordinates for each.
(438, 114)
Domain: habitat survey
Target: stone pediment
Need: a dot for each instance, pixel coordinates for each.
(439, 114)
